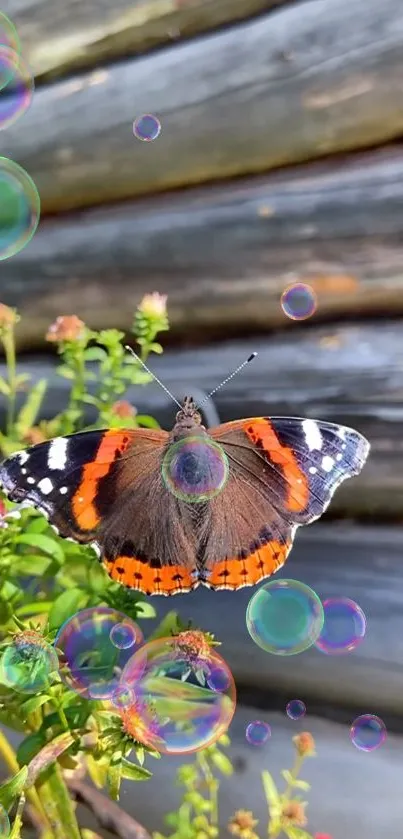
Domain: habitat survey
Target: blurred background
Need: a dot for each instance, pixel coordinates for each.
(279, 160)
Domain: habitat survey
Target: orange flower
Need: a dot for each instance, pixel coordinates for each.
(124, 409)
(304, 744)
(66, 328)
(153, 305)
(8, 317)
(193, 644)
(293, 813)
(242, 824)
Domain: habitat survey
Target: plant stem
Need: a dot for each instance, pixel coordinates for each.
(57, 803)
(10, 760)
(9, 350)
(212, 786)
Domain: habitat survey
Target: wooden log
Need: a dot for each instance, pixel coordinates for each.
(336, 561)
(224, 255)
(60, 37)
(293, 85)
(351, 374)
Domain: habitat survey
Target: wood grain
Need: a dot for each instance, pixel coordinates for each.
(224, 255)
(293, 85)
(61, 37)
(351, 374)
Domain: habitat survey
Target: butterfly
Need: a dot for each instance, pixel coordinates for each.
(168, 511)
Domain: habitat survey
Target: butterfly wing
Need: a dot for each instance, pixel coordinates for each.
(105, 488)
(283, 473)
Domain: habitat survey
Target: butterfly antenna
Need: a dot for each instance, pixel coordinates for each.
(231, 376)
(168, 392)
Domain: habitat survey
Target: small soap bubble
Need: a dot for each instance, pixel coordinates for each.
(5, 827)
(90, 664)
(368, 732)
(175, 709)
(28, 663)
(19, 208)
(344, 626)
(284, 617)
(123, 696)
(218, 679)
(195, 469)
(147, 128)
(123, 635)
(16, 86)
(258, 733)
(295, 709)
(298, 301)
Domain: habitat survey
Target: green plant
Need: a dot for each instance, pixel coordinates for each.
(44, 579)
(197, 816)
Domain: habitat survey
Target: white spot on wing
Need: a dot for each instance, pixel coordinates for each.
(30, 480)
(327, 463)
(22, 457)
(63, 490)
(313, 437)
(45, 486)
(57, 457)
(313, 470)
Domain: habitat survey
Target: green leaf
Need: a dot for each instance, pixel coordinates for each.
(30, 747)
(146, 421)
(4, 387)
(133, 772)
(11, 789)
(296, 833)
(29, 412)
(44, 543)
(171, 624)
(155, 347)
(294, 782)
(33, 704)
(48, 754)
(39, 608)
(17, 826)
(221, 762)
(114, 776)
(36, 524)
(95, 354)
(65, 372)
(31, 565)
(270, 789)
(65, 606)
(144, 609)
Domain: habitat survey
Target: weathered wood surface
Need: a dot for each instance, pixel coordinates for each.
(336, 560)
(61, 36)
(354, 795)
(351, 374)
(299, 83)
(224, 254)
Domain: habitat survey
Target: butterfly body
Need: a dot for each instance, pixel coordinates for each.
(170, 511)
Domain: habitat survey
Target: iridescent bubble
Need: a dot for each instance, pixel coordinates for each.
(295, 709)
(19, 208)
(344, 626)
(8, 34)
(298, 301)
(195, 469)
(123, 696)
(4, 823)
(147, 128)
(258, 733)
(28, 663)
(17, 87)
(219, 679)
(284, 617)
(90, 664)
(368, 732)
(175, 710)
(123, 635)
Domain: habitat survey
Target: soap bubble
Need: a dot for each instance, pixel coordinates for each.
(195, 469)
(284, 617)
(176, 711)
(28, 663)
(123, 696)
(16, 87)
(368, 732)
(123, 635)
(8, 34)
(90, 664)
(147, 128)
(344, 626)
(295, 709)
(298, 301)
(19, 208)
(258, 732)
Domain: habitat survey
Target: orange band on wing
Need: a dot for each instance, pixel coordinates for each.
(84, 509)
(261, 432)
(235, 572)
(135, 573)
